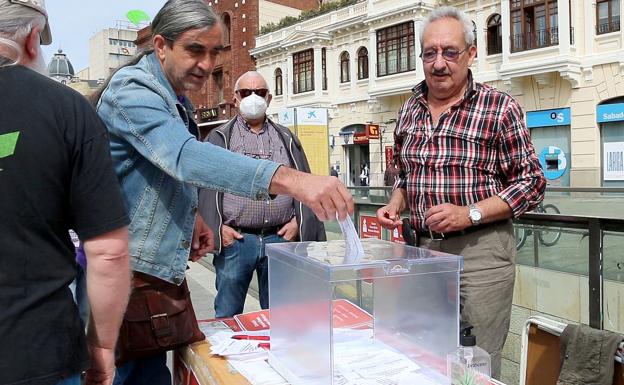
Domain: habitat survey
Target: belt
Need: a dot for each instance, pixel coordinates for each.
(262, 231)
(468, 230)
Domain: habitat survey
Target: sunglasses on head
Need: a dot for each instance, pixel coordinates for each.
(244, 92)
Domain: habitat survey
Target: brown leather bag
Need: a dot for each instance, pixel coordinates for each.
(159, 317)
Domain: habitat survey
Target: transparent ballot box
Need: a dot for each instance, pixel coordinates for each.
(392, 316)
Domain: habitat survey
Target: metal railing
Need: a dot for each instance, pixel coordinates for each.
(582, 244)
(537, 39)
(612, 26)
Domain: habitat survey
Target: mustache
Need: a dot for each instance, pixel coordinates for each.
(440, 72)
(201, 73)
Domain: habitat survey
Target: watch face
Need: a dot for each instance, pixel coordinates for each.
(475, 215)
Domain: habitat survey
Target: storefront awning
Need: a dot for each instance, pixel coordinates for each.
(352, 128)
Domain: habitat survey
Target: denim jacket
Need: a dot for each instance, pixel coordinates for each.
(160, 165)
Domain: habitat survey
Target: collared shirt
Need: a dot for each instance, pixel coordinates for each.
(480, 148)
(244, 212)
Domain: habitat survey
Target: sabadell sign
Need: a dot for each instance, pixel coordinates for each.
(610, 112)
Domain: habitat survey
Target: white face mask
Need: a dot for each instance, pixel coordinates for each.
(252, 107)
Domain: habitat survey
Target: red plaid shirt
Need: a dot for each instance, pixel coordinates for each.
(480, 148)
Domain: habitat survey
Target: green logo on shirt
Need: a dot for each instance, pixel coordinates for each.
(7, 143)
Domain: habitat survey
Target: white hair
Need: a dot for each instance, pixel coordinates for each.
(15, 25)
(453, 13)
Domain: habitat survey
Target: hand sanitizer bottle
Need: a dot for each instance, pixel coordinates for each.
(469, 364)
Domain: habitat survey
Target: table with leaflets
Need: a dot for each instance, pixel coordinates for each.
(197, 365)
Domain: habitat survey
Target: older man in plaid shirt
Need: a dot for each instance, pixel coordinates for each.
(467, 167)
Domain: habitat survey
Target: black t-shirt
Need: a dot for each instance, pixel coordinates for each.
(55, 175)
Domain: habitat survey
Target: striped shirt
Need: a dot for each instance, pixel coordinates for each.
(245, 212)
(480, 148)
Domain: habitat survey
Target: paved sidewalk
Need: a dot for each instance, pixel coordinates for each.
(201, 282)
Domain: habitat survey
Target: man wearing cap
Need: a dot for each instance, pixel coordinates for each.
(55, 174)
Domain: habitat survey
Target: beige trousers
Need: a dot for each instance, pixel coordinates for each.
(487, 283)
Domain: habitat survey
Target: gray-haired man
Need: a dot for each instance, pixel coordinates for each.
(161, 164)
(55, 174)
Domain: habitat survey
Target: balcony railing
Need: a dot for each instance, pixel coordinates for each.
(612, 26)
(537, 39)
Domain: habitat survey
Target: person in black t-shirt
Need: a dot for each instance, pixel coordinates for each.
(55, 175)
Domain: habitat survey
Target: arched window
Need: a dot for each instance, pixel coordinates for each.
(225, 19)
(278, 81)
(494, 35)
(344, 67)
(362, 63)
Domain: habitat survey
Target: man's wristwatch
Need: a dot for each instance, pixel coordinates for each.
(474, 214)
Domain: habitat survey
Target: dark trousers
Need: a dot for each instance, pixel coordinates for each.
(235, 266)
(147, 371)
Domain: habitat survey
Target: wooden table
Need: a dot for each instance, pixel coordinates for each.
(194, 365)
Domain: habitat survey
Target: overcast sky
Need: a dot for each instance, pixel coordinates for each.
(74, 22)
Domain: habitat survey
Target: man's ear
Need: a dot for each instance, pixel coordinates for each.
(32, 44)
(159, 43)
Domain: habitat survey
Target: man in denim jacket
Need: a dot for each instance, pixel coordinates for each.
(161, 164)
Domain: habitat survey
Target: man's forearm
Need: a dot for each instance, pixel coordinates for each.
(399, 199)
(284, 180)
(326, 196)
(108, 285)
(494, 209)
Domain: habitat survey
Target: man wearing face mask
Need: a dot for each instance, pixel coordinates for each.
(242, 226)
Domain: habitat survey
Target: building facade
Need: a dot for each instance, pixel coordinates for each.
(109, 49)
(241, 21)
(562, 60)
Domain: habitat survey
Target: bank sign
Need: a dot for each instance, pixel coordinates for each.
(548, 118)
(610, 112)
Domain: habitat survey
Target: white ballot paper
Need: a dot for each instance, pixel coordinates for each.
(354, 250)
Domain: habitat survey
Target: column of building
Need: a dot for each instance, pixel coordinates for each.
(318, 71)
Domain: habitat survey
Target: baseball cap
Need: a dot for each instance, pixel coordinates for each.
(39, 6)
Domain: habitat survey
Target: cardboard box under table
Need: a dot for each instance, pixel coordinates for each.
(409, 303)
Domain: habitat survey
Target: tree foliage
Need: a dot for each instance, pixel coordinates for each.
(306, 15)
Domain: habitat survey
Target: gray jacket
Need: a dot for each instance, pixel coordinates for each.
(211, 201)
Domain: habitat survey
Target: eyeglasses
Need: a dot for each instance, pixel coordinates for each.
(244, 92)
(448, 54)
